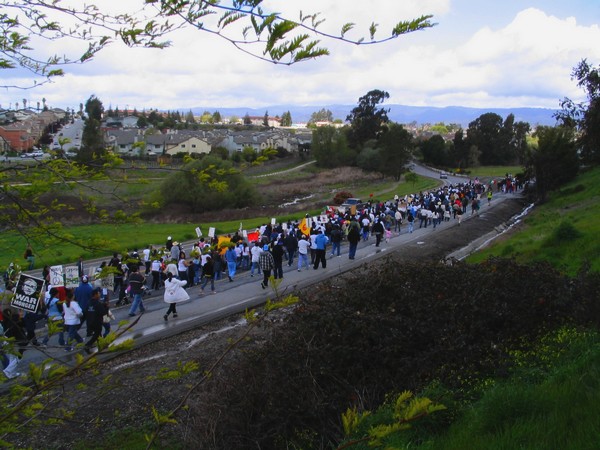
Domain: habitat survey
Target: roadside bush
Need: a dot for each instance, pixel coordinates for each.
(565, 231)
(207, 185)
(341, 197)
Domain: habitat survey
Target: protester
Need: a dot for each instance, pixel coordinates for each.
(136, 283)
(303, 249)
(55, 315)
(95, 318)
(174, 293)
(255, 254)
(208, 274)
(83, 295)
(231, 258)
(353, 238)
(321, 242)
(266, 264)
(72, 314)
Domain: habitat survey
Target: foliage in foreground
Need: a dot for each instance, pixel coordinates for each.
(552, 383)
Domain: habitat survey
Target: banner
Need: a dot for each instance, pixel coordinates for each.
(253, 236)
(56, 276)
(223, 240)
(304, 227)
(27, 293)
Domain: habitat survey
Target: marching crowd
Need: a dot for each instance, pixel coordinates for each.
(173, 269)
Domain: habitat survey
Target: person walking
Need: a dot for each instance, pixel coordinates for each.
(208, 274)
(83, 295)
(29, 257)
(95, 315)
(377, 230)
(72, 313)
(277, 252)
(255, 254)
(231, 259)
(174, 293)
(266, 264)
(303, 248)
(353, 238)
(336, 240)
(54, 308)
(321, 242)
(411, 222)
(291, 245)
(136, 283)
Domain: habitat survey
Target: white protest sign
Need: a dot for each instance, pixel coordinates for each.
(56, 276)
(71, 276)
(198, 232)
(211, 232)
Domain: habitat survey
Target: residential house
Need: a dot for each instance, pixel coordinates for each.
(18, 135)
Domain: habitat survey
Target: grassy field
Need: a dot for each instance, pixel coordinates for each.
(563, 232)
(550, 401)
(495, 171)
(137, 236)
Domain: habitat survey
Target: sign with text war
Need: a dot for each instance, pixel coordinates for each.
(27, 293)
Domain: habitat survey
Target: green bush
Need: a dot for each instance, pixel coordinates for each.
(565, 232)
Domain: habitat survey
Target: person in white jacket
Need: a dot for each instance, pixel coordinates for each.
(174, 293)
(72, 314)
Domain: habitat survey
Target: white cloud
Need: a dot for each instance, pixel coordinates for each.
(526, 62)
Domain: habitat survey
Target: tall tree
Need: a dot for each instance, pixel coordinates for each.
(555, 161)
(92, 139)
(189, 117)
(323, 115)
(395, 150)
(216, 117)
(585, 116)
(367, 121)
(435, 151)
(266, 119)
(484, 133)
(286, 119)
(330, 148)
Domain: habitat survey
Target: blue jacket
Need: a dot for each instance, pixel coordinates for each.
(231, 255)
(83, 295)
(321, 241)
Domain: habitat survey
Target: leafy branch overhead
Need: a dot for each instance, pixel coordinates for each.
(268, 36)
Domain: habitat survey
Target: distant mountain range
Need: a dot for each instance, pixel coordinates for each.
(398, 113)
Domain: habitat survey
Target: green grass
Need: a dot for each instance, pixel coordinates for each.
(119, 238)
(551, 401)
(543, 238)
(560, 412)
(494, 171)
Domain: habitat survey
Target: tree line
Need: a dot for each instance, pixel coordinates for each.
(551, 156)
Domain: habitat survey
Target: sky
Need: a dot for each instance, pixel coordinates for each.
(481, 53)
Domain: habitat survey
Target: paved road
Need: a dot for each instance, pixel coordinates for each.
(245, 292)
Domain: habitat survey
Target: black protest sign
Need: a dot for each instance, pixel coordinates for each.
(27, 293)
